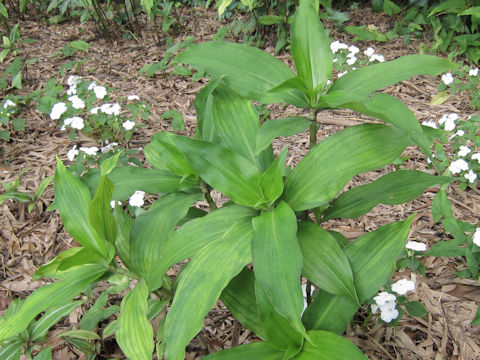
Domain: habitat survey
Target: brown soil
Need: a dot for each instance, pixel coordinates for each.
(29, 240)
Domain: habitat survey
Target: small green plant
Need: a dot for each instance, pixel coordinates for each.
(463, 80)
(68, 51)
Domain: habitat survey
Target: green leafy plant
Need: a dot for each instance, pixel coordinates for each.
(272, 221)
(463, 80)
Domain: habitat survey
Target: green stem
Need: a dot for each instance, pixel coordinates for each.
(208, 197)
(313, 128)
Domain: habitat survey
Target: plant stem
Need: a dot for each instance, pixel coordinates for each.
(308, 292)
(208, 197)
(313, 128)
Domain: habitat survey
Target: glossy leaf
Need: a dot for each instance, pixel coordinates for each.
(200, 286)
(134, 332)
(277, 260)
(329, 346)
(194, 235)
(324, 262)
(73, 200)
(271, 181)
(310, 47)
(394, 188)
(272, 129)
(99, 211)
(48, 296)
(331, 163)
(239, 297)
(365, 80)
(152, 228)
(255, 350)
(224, 170)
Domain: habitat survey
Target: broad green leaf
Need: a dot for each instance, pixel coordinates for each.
(224, 170)
(97, 312)
(12, 349)
(362, 82)
(277, 329)
(222, 5)
(277, 260)
(45, 354)
(387, 108)
(203, 107)
(239, 297)
(329, 312)
(3, 11)
(128, 179)
(99, 211)
(200, 286)
(394, 188)
(122, 242)
(331, 163)
(372, 256)
(292, 91)
(134, 333)
(40, 327)
(80, 334)
(109, 164)
(448, 6)
(248, 71)
(441, 207)
(50, 295)
(163, 154)
(152, 228)
(391, 8)
(255, 350)
(15, 195)
(439, 98)
(324, 262)
(329, 346)
(310, 47)
(194, 235)
(72, 199)
(270, 19)
(416, 308)
(79, 45)
(272, 129)
(271, 181)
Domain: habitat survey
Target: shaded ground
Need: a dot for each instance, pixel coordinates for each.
(29, 240)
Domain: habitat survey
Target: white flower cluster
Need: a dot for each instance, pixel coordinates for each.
(476, 237)
(447, 78)
(473, 72)
(137, 199)
(448, 121)
(337, 46)
(386, 302)
(416, 246)
(8, 103)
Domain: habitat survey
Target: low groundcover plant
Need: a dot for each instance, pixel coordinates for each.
(253, 251)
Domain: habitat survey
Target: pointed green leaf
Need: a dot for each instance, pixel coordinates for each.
(203, 108)
(196, 234)
(324, 262)
(97, 312)
(239, 297)
(364, 81)
(310, 47)
(272, 129)
(73, 200)
(204, 283)
(45, 354)
(329, 346)
(234, 61)
(99, 211)
(372, 256)
(394, 188)
(50, 295)
(271, 181)
(224, 170)
(152, 228)
(256, 350)
(122, 242)
(277, 329)
(50, 318)
(331, 163)
(416, 308)
(12, 349)
(277, 260)
(134, 333)
(80, 334)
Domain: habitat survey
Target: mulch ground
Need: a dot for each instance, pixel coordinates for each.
(30, 239)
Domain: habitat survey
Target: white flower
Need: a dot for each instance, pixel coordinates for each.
(353, 50)
(351, 60)
(375, 308)
(304, 291)
(337, 45)
(476, 156)
(100, 91)
(416, 246)
(132, 97)
(8, 103)
(388, 315)
(92, 151)
(369, 52)
(57, 110)
(76, 123)
(447, 78)
(448, 120)
(379, 58)
(458, 133)
(458, 166)
(431, 124)
(464, 151)
(77, 103)
(137, 198)
(73, 80)
(473, 72)
(72, 153)
(329, 82)
(470, 176)
(94, 110)
(128, 125)
(110, 109)
(72, 90)
(383, 298)
(386, 303)
(108, 147)
(92, 85)
(401, 287)
(476, 237)
(339, 75)
(112, 203)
